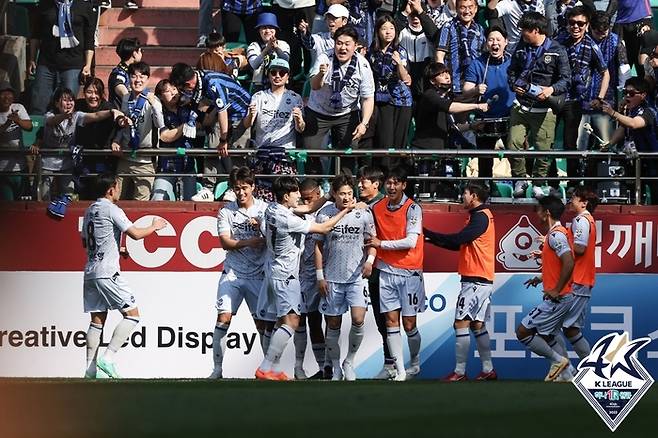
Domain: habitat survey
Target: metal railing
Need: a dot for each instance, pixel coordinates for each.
(362, 154)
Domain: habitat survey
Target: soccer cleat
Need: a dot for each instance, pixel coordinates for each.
(280, 376)
(300, 374)
(204, 195)
(454, 377)
(400, 376)
(491, 375)
(566, 375)
(387, 373)
(338, 374)
(328, 372)
(348, 371)
(556, 369)
(108, 368)
(130, 5)
(412, 371)
(216, 374)
(317, 376)
(265, 375)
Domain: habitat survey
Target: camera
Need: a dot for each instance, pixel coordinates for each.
(530, 89)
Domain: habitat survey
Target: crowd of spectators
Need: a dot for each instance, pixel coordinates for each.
(345, 74)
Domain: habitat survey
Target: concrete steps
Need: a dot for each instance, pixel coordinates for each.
(171, 17)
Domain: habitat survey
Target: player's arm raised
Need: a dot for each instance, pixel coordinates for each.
(137, 233)
(325, 227)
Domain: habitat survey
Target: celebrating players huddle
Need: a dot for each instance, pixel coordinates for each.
(305, 256)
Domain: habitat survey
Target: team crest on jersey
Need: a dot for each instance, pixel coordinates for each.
(517, 245)
(612, 379)
(547, 59)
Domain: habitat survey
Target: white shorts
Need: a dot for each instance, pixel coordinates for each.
(474, 302)
(576, 315)
(401, 292)
(287, 296)
(103, 294)
(231, 290)
(342, 296)
(310, 294)
(266, 307)
(548, 316)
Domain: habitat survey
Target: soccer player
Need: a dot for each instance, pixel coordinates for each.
(370, 182)
(238, 225)
(537, 330)
(348, 264)
(285, 232)
(310, 193)
(399, 245)
(104, 288)
(476, 244)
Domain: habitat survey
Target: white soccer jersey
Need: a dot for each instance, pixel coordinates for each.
(580, 229)
(285, 233)
(101, 230)
(307, 265)
(60, 136)
(275, 125)
(244, 262)
(342, 252)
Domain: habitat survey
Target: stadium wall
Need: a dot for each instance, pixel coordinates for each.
(174, 276)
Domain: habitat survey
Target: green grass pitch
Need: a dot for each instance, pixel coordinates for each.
(229, 408)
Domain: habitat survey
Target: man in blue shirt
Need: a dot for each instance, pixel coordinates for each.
(633, 19)
(486, 78)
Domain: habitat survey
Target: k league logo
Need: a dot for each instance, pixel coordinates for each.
(611, 378)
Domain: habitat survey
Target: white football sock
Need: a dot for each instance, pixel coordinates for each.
(559, 345)
(538, 345)
(300, 340)
(462, 345)
(120, 335)
(355, 338)
(265, 341)
(219, 345)
(580, 345)
(333, 347)
(94, 333)
(319, 353)
(394, 341)
(278, 344)
(483, 343)
(413, 339)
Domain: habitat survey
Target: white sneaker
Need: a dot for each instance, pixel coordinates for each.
(338, 374)
(202, 41)
(229, 196)
(348, 371)
(300, 374)
(204, 195)
(387, 373)
(215, 375)
(400, 376)
(520, 188)
(412, 371)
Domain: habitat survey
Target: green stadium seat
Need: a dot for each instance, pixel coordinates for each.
(505, 190)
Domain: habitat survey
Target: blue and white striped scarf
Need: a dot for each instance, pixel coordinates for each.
(608, 46)
(67, 39)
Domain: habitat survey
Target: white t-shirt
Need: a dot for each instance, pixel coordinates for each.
(361, 85)
(60, 137)
(258, 64)
(294, 4)
(12, 138)
(275, 125)
(510, 11)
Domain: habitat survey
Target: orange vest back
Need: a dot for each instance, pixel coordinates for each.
(476, 259)
(392, 225)
(551, 264)
(584, 269)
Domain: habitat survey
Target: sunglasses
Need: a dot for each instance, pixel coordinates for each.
(577, 23)
(630, 93)
(280, 73)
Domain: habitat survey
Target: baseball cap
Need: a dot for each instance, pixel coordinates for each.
(279, 63)
(338, 11)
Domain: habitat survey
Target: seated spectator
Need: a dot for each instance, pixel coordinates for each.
(217, 58)
(96, 136)
(342, 96)
(276, 117)
(130, 52)
(177, 134)
(146, 122)
(393, 100)
(638, 128)
(59, 133)
(13, 120)
(261, 53)
(63, 36)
